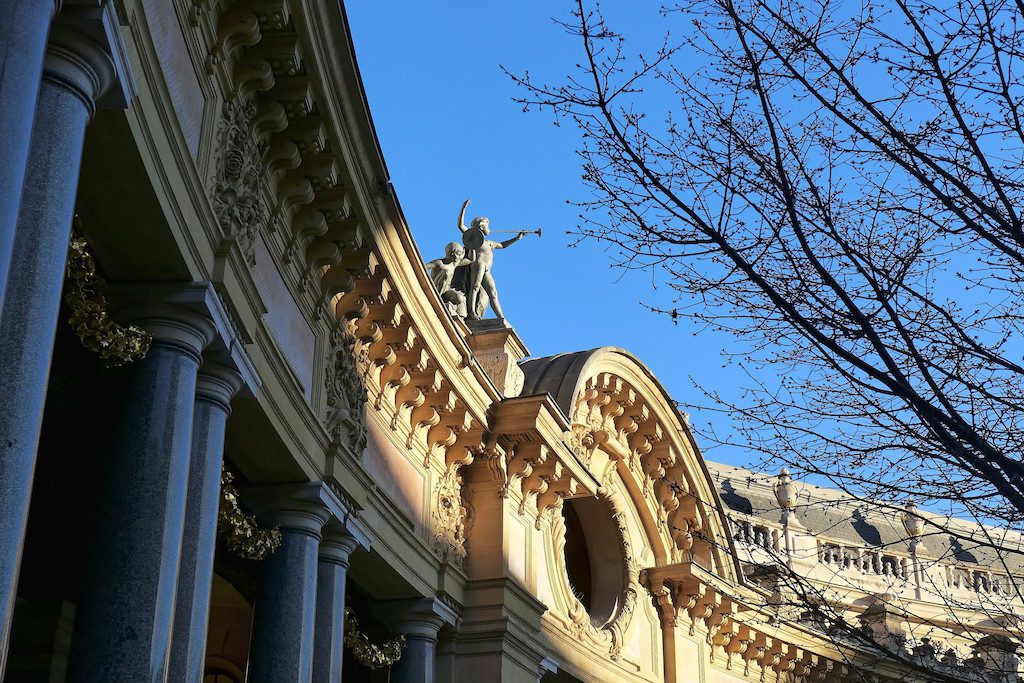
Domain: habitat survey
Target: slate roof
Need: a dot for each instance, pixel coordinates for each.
(833, 515)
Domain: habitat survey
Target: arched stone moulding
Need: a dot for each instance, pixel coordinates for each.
(628, 429)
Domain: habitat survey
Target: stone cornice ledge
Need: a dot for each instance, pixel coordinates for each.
(538, 420)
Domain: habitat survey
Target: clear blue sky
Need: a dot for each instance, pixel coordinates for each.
(450, 130)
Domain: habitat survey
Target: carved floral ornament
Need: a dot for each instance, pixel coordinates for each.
(345, 417)
(449, 519)
(238, 187)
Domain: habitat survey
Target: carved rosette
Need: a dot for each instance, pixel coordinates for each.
(345, 416)
(449, 519)
(237, 192)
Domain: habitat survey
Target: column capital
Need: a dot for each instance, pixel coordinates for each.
(190, 316)
(217, 382)
(419, 617)
(304, 507)
(86, 54)
(78, 63)
(337, 545)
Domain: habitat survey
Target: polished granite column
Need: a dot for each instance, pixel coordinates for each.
(218, 382)
(123, 624)
(284, 616)
(419, 621)
(328, 648)
(27, 23)
(76, 71)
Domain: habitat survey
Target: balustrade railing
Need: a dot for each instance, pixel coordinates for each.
(873, 562)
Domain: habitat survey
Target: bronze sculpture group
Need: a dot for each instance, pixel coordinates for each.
(463, 276)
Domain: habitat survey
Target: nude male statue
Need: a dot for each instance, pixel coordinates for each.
(442, 272)
(480, 277)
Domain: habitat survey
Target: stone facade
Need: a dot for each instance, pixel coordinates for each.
(312, 443)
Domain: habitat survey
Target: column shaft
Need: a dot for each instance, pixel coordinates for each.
(216, 386)
(329, 648)
(417, 662)
(28, 321)
(284, 619)
(27, 23)
(420, 621)
(123, 626)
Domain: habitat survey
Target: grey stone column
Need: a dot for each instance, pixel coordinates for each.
(328, 647)
(216, 385)
(123, 623)
(76, 71)
(27, 22)
(283, 626)
(419, 621)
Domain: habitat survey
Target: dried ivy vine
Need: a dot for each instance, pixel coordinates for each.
(115, 344)
(242, 532)
(366, 653)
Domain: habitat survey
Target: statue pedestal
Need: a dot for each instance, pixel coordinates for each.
(498, 349)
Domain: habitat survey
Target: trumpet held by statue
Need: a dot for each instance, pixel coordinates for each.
(528, 232)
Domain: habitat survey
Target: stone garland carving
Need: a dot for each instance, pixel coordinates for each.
(345, 417)
(630, 578)
(242, 532)
(366, 653)
(237, 192)
(115, 344)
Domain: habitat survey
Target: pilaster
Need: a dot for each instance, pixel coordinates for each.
(498, 635)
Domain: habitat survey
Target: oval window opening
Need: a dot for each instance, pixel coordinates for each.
(593, 558)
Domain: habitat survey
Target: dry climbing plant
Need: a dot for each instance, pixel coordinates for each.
(115, 344)
(366, 653)
(243, 534)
